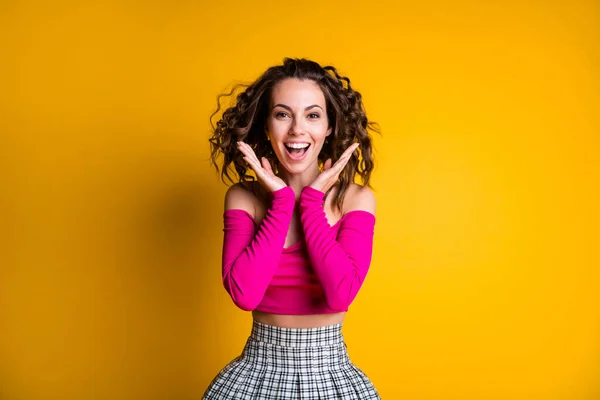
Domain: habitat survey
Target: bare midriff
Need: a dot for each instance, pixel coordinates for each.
(298, 321)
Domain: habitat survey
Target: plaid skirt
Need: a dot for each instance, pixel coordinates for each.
(292, 363)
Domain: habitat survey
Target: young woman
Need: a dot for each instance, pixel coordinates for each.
(297, 240)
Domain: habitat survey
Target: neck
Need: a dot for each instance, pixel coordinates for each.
(298, 181)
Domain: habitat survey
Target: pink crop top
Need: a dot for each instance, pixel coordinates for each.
(320, 274)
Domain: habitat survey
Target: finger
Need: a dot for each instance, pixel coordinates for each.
(242, 147)
(345, 155)
(250, 157)
(340, 164)
(248, 152)
(342, 161)
(327, 164)
(253, 164)
(349, 150)
(245, 148)
(348, 153)
(266, 165)
(255, 160)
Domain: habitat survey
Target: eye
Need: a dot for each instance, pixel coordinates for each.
(313, 116)
(281, 114)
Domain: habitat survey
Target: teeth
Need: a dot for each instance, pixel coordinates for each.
(297, 145)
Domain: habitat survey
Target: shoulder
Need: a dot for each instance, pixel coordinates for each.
(241, 196)
(359, 197)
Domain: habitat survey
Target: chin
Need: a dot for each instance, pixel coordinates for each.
(297, 168)
(294, 169)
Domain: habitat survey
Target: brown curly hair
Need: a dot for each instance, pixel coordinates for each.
(246, 119)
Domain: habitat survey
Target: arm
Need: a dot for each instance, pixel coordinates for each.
(341, 264)
(250, 257)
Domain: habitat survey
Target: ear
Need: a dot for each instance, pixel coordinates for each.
(329, 131)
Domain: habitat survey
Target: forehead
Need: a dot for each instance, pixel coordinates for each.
(297, 93)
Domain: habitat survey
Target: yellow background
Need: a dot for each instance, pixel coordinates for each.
(485, 279)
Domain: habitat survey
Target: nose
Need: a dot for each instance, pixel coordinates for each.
(296, 127)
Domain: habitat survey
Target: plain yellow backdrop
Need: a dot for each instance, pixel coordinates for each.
(485, 279)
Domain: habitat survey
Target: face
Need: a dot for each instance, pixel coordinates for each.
(297, 123)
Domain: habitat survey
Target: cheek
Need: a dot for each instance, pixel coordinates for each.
(269, 126)
(322, 132)
(320, 141)
(277, 128)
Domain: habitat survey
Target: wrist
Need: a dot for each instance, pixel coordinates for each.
(310, 194)
(283, 193)
(313, 190)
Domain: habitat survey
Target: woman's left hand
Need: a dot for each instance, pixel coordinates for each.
(329, 176)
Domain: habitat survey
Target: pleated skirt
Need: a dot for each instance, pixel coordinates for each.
(292, 363)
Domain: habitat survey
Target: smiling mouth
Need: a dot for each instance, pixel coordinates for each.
(295, 151)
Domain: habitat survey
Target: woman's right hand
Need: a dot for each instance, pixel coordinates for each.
(264, 172)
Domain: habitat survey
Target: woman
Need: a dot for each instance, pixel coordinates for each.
(297, 243)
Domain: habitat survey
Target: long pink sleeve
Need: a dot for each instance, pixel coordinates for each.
(341, 264)
(250, 257)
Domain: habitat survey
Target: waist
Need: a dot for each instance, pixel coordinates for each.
(298, 321)
(323, 336)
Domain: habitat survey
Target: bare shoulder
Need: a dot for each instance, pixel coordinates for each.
(359, 197)
(240, 196)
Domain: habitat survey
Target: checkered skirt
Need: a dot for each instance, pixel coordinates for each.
(292, 363)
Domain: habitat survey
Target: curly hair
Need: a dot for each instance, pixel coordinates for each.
(246, 118)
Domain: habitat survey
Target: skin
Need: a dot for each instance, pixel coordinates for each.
(298, 113)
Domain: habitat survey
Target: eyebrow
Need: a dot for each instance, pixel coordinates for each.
(290, 109)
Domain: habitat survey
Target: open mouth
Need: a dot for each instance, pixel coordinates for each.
(297, 150)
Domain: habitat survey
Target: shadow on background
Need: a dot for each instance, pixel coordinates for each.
(112, 293)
